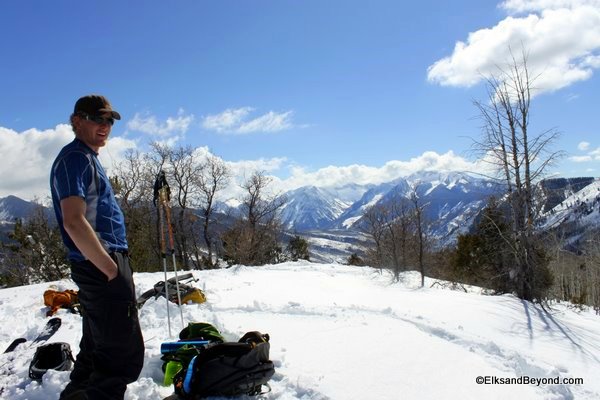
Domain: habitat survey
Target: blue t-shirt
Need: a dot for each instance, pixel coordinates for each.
(77, 172)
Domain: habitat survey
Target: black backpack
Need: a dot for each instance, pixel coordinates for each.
(228, 369)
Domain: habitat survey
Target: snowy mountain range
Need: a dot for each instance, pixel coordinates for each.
(452, 202)
(310, 207)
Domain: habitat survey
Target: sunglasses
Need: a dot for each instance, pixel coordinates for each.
(97, 119)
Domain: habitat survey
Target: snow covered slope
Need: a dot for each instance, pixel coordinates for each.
(355, 212)
(12, 207)
(310, 208)
(582, 206)
(452, 200)
(345, 333)
(576, 218)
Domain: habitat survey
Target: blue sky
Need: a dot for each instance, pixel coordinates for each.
(314, 92)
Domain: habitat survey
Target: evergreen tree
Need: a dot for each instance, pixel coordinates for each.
(483, 257)
(355, 260)
(34, 252)
(297, 249)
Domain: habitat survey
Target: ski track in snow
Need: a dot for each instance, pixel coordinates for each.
(340, 332)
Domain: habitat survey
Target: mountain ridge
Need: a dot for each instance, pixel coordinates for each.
(452, 202)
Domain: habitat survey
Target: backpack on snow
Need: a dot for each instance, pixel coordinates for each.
(195, 331)
(187, 293)
(228, 369)
(201, 331)
(56, 299)
(55, 356)
(192, 340)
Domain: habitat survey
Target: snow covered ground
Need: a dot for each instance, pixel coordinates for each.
(340, 332)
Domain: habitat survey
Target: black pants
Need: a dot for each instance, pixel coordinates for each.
(111, 351)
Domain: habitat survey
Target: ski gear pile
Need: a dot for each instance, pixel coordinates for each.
(192, 339)
(46, 333)
(183, 291)
(219, 368)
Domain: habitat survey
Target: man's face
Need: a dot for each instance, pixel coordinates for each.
(93, 133)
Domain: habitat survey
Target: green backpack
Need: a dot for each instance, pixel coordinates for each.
(201, 331)
(181, 357)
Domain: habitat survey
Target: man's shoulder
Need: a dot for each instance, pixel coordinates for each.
(74, 152)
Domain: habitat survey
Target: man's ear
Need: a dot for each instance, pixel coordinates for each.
(75, 122)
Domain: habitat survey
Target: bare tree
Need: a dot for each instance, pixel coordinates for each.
(182, 165)
(254, 240)
(185, 166)
(375, 221)
(390, 225)
(577, 274)
(213, 177)
(132, 182)
(157, 158)
(193, 179)
(420, 231)
(521, 158)
(259, 206)
(592, 272)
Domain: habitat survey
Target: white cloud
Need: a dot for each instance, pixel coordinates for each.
(521, 6)
(591, 155)
(364, 174)
(591, 61)
(42, 147)
(114, 152)
(332, 176)
(149, 124)
(228, 120)
(248, 166)
(579, 159)
(583, 146)
(243, 169)
(270, 122)
(28, 156)
(238, 121)
(562, 39)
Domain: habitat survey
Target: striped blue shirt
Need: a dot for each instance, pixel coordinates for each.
(78, 172)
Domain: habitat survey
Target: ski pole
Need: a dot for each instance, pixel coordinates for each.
(158, 188)
(172, 245)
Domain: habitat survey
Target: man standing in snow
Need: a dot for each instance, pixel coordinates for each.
(93, 229)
